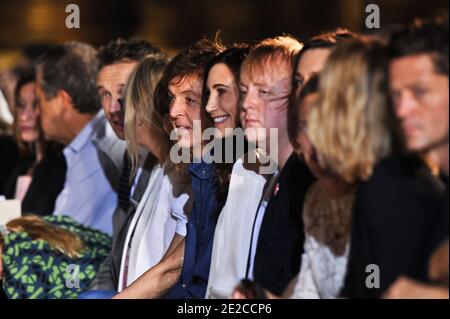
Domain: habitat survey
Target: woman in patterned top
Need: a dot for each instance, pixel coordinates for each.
(49, 258)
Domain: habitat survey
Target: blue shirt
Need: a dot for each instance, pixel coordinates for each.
(87, 195)
(200, 234)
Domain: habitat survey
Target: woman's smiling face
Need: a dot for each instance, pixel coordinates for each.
(223, 99)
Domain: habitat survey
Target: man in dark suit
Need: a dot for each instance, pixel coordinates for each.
(398, 220)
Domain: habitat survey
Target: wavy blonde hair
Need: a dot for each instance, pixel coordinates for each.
(139, 105)
(58, 238)
(352, 124)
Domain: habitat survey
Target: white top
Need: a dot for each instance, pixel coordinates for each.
(322, 273)
(152, 229)
(233, 231)
(327, 231)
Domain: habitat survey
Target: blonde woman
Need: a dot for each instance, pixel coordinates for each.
(158, 226)
(345, 134)
(153, 227)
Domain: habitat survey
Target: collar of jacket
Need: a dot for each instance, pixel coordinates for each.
(202, 170)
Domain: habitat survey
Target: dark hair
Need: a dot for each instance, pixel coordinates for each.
(49, 147)
(232, 58)
(191, 60)
(328, 39)
(325, 40)
(310, 87)
(133, 49)
(26, 76)
(422, 37)
(71, 67)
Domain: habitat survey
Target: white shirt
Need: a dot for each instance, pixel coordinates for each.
(323, 270)
(87, 195)
(233, 231)
(152, 229)
(322, 273)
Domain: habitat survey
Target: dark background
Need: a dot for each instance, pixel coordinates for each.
(172, 24)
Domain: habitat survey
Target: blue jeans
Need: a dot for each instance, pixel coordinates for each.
(97, 294)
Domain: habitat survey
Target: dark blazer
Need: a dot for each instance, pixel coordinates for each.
(398, 222)
(280, 243)
(8, 159)
(49, 176)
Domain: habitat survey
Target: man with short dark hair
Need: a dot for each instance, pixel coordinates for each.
(66, 91)
(419, 87)
(117, 61)
(397, 219)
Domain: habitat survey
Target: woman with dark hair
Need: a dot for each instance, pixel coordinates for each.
(220, 109)
(39, 175)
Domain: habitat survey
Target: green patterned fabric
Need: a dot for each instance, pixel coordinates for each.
(32, 269)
